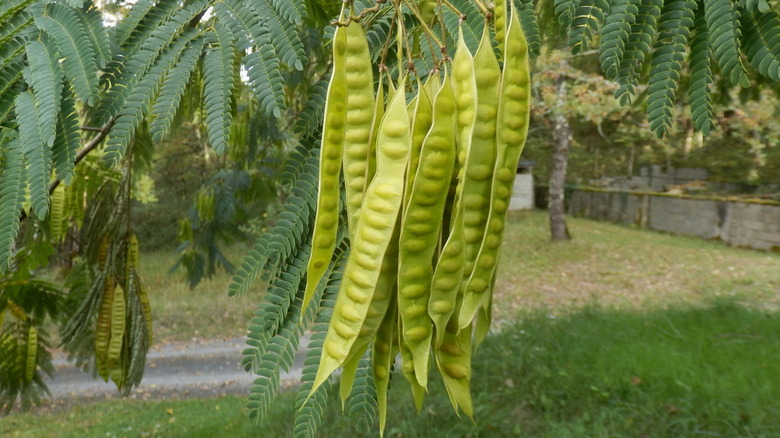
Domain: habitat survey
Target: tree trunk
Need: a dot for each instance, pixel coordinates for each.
(562, 137)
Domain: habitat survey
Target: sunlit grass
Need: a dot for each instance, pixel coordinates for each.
(604, 263)
(687, 371)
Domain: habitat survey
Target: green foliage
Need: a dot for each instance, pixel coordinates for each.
(37, 155)
(723, 24)
(761, 42)
(701, 75)
(586, 24)
(530, 26)
(218, 79)
(669, 54)
(12, 188)
(79, 64)
(614, 35)
(169, 66)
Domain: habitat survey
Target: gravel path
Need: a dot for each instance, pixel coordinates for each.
(182, 370)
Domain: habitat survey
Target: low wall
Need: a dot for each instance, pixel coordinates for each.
(753, 224)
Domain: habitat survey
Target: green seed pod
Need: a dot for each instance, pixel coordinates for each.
(511, 133)
(333, 130)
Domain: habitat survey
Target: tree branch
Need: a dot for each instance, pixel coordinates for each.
(89, 147)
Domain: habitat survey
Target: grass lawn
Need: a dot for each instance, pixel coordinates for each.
(610, 264)
(693, 371)
(619, 333)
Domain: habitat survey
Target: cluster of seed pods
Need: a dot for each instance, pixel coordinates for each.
(420, 273)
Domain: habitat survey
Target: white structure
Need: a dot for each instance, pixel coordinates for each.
(523, 191)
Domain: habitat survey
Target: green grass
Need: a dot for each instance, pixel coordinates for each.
(606, 263)
(180, 314)
(687, 371)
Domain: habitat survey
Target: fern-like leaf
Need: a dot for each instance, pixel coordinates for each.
(281, 34)
(77, 4)
(12, 28)
(614, 35)
(218, 87)
(46, 82)
(565, 11)
(761, 42)
(701, 76)
(12, 177)
(79, 65)
(637, 49)
(140, 96)
(121, 33)
(167, 104)
(753, 6)
(310, 118)
(92, 22)
(275, 246)
(723, 25)
(362, 402)
(530, 26)
(10, 84)
(293, 11)
(262, 65)
(37, 154)
(68, 138)
(674, 30)
(10, 8)
(169, 25)
(586, 24)
(472, 28)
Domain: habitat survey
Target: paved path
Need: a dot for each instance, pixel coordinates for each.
(181, 370)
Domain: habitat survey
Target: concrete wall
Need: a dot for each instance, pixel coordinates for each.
(740, 223)
(522, 192)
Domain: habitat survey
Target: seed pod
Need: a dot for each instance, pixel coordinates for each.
(327, 219)
(479, 166)
(103, 329)
(359, 119)
(384, 296)
(421, 115)
(499, 21)
(512, 129)
(374, 232)
(118, 320)
(453, 359)
(421, 227)
(379, 112)
(32, 353)
(450, 268)
(382, 356)
(408, 369)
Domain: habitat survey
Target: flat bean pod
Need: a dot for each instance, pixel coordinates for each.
(31, 362)
(103, 328)
(422, 115)
(421, 227)
(382, 356)
(383, 297)
(449, 272)
(118, 320)
(374, 232)
(359, 117)
(453, 359)
(327, 218)
(479, 166)
(379, 111)
(514, 110)
(499, 21)
(408, 369)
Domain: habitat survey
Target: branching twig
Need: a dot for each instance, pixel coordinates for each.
(89, 147)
